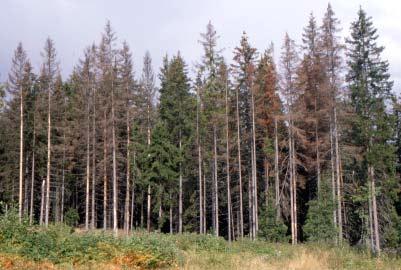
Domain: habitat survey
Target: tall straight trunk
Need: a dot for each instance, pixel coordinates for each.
(370, 211)
(42, 202)
(180, 194)
(171, 217)
(133, 193)
(127, 193)
(241, 210)
(32, 173)
(159, 221)
(294, 174)
(57, 201)
(333, 173)
(317, 149)
(338, 173)
(93, 206)
(105, 189)
(142, 209)
(47, 207)
(276, 172)
(87, 192)
(266, 182)
(149, 195)
(317, 160)
(115, 192)
(199, 165)
(21, 157)
(374, 212)
(62, 182)
(216, 187)
(291, 164)
(204, 202)
(229, 208)
(254, 176)
(26, 185)
(148, 210)
(250, 206)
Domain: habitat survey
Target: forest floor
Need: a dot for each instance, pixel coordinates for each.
(62, 248)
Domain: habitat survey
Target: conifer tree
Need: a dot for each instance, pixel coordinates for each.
(176, 104)
(372, 125)
(18, 86)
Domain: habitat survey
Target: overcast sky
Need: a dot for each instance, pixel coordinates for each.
(166, 26)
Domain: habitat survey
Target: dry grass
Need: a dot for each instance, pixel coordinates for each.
(300, 258)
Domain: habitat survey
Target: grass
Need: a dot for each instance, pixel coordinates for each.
(61, 247)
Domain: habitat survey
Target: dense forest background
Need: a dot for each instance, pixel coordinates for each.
(304, 149)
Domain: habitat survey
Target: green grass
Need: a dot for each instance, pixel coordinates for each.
(60, 247)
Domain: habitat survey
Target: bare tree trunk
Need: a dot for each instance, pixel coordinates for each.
(333, 174)
(294, 174)
(47, 207)
(291, 164)
(115, 192)
(93, 208)
(149, 195)
(317, 148)
(229, 208)
(216, 187)
(250, 206)
(180, 195)
(105, 190)
(142, 210)
(21, 156)
(338, 173)
(204, 202)
(254, 176)
(317, 160)
(87, 192)
(42, 203)
(33, 173)
(171, 218)
(276, 172)
(241, 210)
(148, 209)
(199, 165)
(57, 202)
(374, 213)
(371, 230)
(266, 182)
(127, 193)
(133, 194)
(26, 185)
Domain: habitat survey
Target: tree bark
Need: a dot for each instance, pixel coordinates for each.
(276, 172)
(180, 195)
(374, 212)
(199, 164)
(216, 187)
(229, 210)
(93, 207)
(254, 176)
(21, 156)
(115, 191)
(32, 173)
(241, 210)
(87, 191)
(42, 202)
(47, 207)
(127, 193)
(148, 209)
(338, 173)
(105, 189)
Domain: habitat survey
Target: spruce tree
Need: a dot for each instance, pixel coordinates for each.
(176, 105)
(372, 125)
